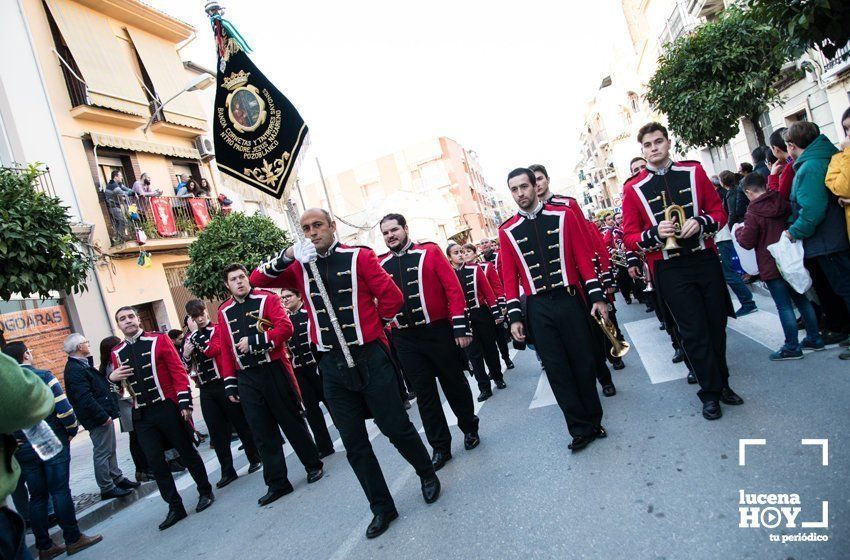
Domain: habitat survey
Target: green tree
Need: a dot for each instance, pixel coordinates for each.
(38, 250)
(235, 238)
(805, 24)
(708, 80)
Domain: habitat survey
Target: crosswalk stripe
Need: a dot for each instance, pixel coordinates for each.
(762, 327)
(653, 347)
(543, 396)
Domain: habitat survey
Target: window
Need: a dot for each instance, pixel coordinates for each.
(106, 165)
(801, 115)
(634, 101)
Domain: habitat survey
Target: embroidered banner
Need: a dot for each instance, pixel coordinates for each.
(200, 211)
(163, 216)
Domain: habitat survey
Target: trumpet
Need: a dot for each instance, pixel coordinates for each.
(670, 212)
(262, 324)
(647, 277)
(618, 348)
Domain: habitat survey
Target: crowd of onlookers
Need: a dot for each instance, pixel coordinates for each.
(798, 188)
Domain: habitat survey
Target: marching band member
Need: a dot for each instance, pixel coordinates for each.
(428, 332)
(491, 273)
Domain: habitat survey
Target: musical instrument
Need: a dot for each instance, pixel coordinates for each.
(262, 324)
(647, 278)
(618, 255)
(670, 212)
(618, 348)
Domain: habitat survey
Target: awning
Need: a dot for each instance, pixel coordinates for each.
(110, 80)
(142, 146)
(169, 77)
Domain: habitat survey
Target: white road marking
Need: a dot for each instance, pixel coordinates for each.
(543, 396)
(653, 346)
(762, 327)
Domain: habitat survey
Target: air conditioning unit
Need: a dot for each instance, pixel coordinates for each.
(205, 147)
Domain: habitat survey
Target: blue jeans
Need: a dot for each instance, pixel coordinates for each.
(785, 297)
(732, 278)
(46, 479)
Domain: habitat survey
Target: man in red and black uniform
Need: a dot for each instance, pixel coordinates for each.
(543, 249)
(148, 366)
(491, 272)
(690, 278)
(252, 332)
(364, 298)
(221, 414)
(306, 371)
(428, 331)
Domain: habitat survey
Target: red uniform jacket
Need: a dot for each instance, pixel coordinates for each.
(234, 323)
(684, 183)
(594, 238)
(430, 288)
(492, 275)
(363, 295)
(158, 371)
(476, 289)
(546, 250)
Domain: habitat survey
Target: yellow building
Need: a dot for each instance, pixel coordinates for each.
(98, 86)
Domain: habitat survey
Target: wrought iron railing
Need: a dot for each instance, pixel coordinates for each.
(126, 215)
(42, 181)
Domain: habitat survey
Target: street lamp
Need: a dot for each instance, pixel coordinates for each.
(201, 81)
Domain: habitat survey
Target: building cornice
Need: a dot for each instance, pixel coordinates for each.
(144, 17)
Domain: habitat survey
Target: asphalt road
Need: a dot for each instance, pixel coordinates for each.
(665, 484)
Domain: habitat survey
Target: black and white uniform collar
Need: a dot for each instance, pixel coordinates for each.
(135, 337)
(404, 249)
(533, 214)
(660, 170)
(330, 250)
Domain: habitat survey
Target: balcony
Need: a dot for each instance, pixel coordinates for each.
(41, 180)
(167, 222)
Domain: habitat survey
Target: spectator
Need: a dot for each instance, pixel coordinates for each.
(184, 179)
(782, 172)
(204, 188)
(764, 224)
(117, 199)
(125, 411)
(759, 165)
(817, 218)
(189, 190)
(225, 203)
(838, 174)
(726, 249)
(142, 187)
(51, 478)
(24, 401)
(745, 169)
(728, 182)
(96, 405)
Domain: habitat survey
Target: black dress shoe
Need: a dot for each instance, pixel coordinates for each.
(226, 479)
(679, 356)
(500, 384)
(662, 327)
(601, 433)
(175, 514)
(471, 441)
(711, 410)
(254, 467)
(380, 523)
(431, 489)
(127, 484)
(484, 395)
(273, 495)
(509, 364)
(692, 378)
(728, 396)
(440, 458)
(579, 443)
(315, 475)
(116, 492)
(609, 390)
(618, 364)
(204, 501)
(323, 454)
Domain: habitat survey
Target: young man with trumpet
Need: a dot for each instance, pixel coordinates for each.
(671, 211)
(544, 250)
(253, 328)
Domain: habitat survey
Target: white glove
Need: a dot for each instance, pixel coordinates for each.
(305, 252)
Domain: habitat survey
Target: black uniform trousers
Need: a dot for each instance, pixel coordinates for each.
(565, 342)
(483, 349)
(271, 405)
(429, 354)
(371, 388)
(310, 383)
(159, 427)
(502, 336)
(222, 417)
(625, 283)
(693, 288)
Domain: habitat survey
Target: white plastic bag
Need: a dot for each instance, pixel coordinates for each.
(747, 257)
(789, 260)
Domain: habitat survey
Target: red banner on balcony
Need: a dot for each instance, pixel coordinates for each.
(200, 211)
(163, 216)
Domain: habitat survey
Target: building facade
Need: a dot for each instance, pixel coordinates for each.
(96, 87)
(437, 185)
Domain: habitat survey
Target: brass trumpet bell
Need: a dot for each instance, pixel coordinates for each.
(262, 324)
(618, 348)
(670, 212)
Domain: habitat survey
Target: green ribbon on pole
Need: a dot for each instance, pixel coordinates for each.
(233, 33)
